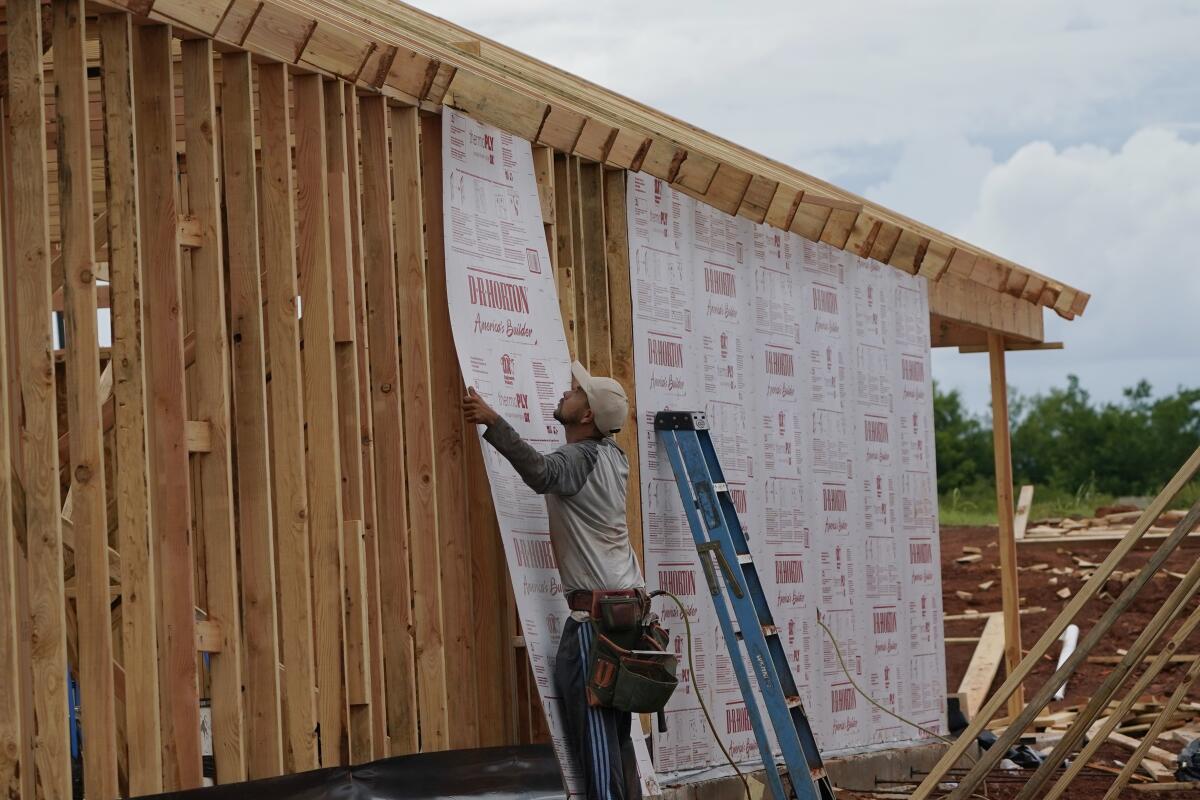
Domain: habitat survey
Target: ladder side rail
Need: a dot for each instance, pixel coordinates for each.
(765, 671)
(787, 680)
(669, 443)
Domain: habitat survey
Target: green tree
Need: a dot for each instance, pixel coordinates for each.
(963, 442)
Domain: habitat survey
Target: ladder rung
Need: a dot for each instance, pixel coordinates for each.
(720, 487)
(745, 558)
(770, 630)
(793, 702)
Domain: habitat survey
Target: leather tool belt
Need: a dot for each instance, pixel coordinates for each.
(594, 602)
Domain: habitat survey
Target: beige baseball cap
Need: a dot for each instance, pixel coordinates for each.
(606, 398)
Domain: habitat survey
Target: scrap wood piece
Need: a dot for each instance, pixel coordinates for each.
(973, 614)
(968, 559)
(1178, 658)
(1160, 757)
(985, 662)
(1172, 786)
(1111, 770)
(1024, 504)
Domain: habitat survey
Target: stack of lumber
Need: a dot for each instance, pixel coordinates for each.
(1158, 766)
(1108, 526)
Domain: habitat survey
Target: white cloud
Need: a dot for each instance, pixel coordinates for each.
(1051, 133)
(816, 85)
(1120, 224)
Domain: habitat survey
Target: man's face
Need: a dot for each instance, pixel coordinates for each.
(572, 406)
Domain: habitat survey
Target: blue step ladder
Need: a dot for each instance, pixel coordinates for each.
(683, 436)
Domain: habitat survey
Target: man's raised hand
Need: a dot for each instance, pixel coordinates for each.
(476, 410)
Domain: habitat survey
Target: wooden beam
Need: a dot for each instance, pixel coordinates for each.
(595, 295)
(620, 304)
(291, 502)
(170, 500)
(209, 636)
(1024, 504)
(139, 617)
(343, 227)
(564, 267)
(390, 477)
(264, 736)
(89, 517)
(1012, 347)
(574, 196)
(495, 104)
(453, 522)
(418, 356)
(1009, 588)
(323, 467)
(31, 250)
(15, 753)
(210, 383)
(961, 300)
(366, 439)
(984, 664)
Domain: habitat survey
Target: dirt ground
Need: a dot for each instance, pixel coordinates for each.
(1036, 589)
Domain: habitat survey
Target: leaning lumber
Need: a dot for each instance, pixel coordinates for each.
(1157, 727)
(1099, 731)
(1168, 611)
(1089, 590)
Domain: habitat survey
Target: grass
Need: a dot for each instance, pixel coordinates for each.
(976, 504)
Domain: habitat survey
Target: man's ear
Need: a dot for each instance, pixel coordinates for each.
(587, 416)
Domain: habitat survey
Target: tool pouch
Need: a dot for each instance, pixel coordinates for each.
(619, 616)
(639, 679)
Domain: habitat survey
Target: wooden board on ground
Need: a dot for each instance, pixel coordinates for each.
(985, 662)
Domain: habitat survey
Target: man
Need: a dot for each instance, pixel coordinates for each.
(584, 483)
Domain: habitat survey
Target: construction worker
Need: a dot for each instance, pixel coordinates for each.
(584, 483)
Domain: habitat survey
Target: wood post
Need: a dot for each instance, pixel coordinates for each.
(323, 468)
(564, 264)
(14, 752)
(595, 282)
(170, 497)
(453, 521)
(390, 478)
(139, 607)
(370, 541)
(210, 385)
(343, 230)
(30, 268)
(620, 305)
(1009, 589)
(89, 513)
(260, 629)
(413, 318)
(287, 417)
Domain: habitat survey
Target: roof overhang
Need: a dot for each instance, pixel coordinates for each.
(419, 59)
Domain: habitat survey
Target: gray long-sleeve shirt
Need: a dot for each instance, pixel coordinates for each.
(584, 484)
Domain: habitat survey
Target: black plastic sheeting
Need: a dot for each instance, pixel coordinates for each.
(528, 772)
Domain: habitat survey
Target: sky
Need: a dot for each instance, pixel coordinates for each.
(1064, 136)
